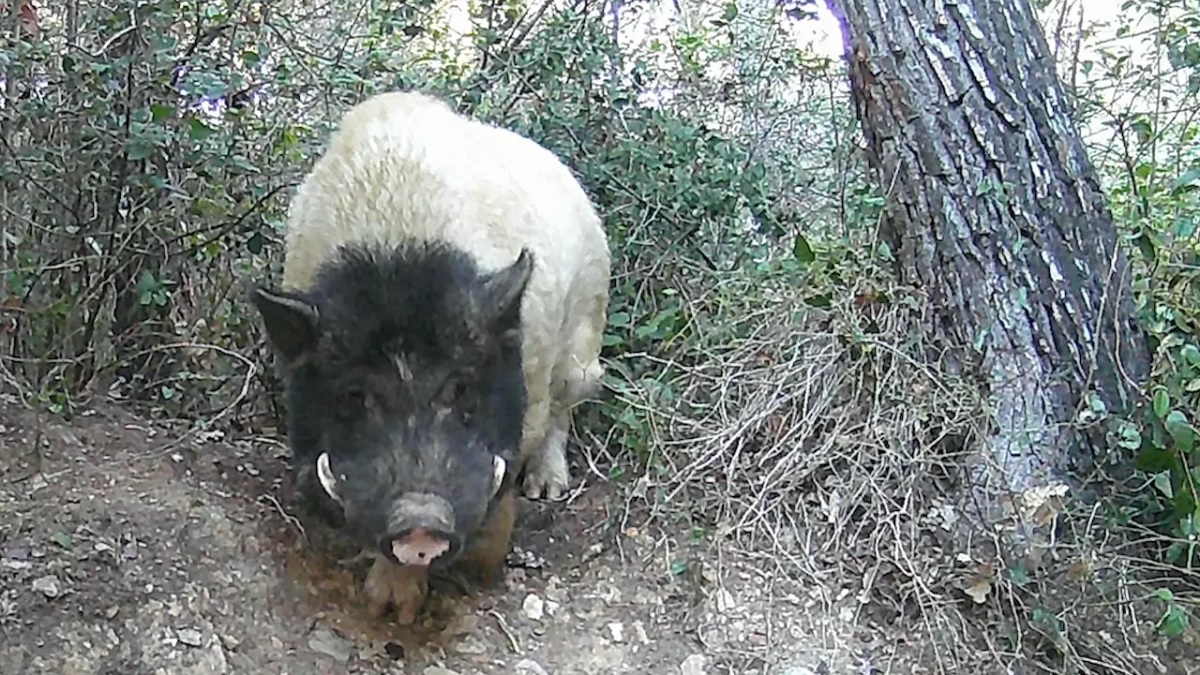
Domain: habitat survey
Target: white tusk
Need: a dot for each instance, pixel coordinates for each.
(325, 475)
(498, 468)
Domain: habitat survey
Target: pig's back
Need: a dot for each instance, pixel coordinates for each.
(404, 165)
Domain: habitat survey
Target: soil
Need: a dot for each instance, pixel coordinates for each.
(130, 546)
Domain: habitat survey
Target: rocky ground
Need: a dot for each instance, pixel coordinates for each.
(132, 547)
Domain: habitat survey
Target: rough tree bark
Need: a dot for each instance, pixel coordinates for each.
(995, 210)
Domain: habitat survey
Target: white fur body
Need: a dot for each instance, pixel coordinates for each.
(402, 166)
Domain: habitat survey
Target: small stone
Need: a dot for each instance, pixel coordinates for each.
(471, 646)
(617, 631)
(17, 553)
(463, 625)
(533, 607)
(190, 637)
(438, 670)
(230, 642)
(212, 661)
(111, 612)
(640, 630)
(529, 667)
(725, 601)
(326, 642)
(693, 665)
(521, 558)
(47, 586)
(552, 607)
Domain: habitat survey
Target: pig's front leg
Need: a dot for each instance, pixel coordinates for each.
(403, 586)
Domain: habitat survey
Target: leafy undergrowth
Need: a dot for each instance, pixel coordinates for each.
(805, 424)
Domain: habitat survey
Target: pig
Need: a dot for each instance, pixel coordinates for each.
(441, 313)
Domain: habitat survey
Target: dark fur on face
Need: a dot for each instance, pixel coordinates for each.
(405, 366)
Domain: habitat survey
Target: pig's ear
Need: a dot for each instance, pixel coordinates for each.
(290, 321)
(499, 300)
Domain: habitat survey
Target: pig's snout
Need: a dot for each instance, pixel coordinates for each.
(419, 546)
(420, 530)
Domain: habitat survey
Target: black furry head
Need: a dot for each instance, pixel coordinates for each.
(404, 366)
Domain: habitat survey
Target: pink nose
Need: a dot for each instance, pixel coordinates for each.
(419, 547)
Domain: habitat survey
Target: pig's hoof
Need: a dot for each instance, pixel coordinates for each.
(403, 588)
(547, 471)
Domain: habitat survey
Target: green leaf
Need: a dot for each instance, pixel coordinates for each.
(1173, 622)
(198, 130)
(139, 150)
(1184, 227)
(1128, 436)
(62, 539)
(802, 250)
(1187, 179)
(1018, 576)
(160, 112)
(1191, 354)
(619, 319)
(1162, 482)
(1162, 403)
(884, 251)
(1181, 432)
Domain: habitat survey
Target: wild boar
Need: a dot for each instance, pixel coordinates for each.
(444, 296)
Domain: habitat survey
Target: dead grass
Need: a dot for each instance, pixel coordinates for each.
(827, 445)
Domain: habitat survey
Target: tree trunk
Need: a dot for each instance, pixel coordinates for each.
(994, 208)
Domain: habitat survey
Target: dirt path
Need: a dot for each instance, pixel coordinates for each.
(127, 547)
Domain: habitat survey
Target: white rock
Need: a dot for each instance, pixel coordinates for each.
(639, 629)
(47, 585)
(471, 645)
(330, 644)
(529, 667)
(725, 601)
(533, 607)
(694, 665)
(190, 637)
(617, 631)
